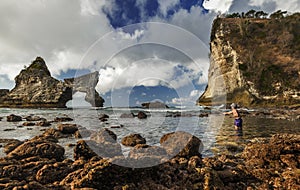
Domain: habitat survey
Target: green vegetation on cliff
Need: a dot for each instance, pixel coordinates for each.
(268, 53)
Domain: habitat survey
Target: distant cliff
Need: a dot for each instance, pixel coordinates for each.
(36, 88)
(257, 61)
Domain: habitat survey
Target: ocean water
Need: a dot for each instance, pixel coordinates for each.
(216, 131)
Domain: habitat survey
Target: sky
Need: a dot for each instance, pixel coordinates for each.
(144, 50)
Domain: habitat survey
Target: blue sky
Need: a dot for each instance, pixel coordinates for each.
(155, 47)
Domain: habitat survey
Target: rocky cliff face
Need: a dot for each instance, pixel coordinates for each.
(254, 62)
(36, 88)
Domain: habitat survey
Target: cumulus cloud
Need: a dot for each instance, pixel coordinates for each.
(217, 5)
(60, 31)
(155, 54)
(171, 50)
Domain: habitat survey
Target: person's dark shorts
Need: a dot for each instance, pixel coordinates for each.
(238, 122)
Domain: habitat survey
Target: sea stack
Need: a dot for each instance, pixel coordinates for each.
(36, 88)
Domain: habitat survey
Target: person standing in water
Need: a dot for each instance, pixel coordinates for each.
(238, 122)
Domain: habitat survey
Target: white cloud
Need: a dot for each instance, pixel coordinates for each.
(127, 36)
(53, 29)
(217, 5)
(165, 5)
(148, 72)
(195, 93)
(188, 100)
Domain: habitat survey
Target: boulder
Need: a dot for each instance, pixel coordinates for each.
(104, 135)
(127, 115)
(62, 119)
(133, 139)
(83, 151)
(203, 115)
(55, 133)
(82, 133)
(67, 128)
(43, 123)
(28, 123)
(142, 115)
(103, 117)
(34, 118)
(143, 155)
(181, 144)
(13, 118)
(41, 148)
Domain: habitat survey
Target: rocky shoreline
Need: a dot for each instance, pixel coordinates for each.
(98, 163)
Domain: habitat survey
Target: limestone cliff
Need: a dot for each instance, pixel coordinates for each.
(36, 88)
(254, 62)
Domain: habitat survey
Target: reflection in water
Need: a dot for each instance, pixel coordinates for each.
(253, 128)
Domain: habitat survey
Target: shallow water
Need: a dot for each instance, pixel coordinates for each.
(216, 131)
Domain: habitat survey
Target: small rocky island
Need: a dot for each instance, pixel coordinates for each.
(36, 88)
(155, 104)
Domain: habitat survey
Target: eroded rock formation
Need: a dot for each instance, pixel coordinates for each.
(36, 88)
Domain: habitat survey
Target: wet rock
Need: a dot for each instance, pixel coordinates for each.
(1, 118)
(82, 133)
(41, 148)
(49, 138)
(96, 175)
(51, 173)
(105, 135)
(43, 123)
(203, 115)
(62, 119)
(127, 115)
(11, 129)
(11, 146)
(133, 140)
(28, 124)
(104, 144)
(278, 157)
(33, 118)
(13, 118)
(83, 151)
(34, 185)
(181, 144)
(143, 155)
(55, 133)
(67, 128)
(142, 115)
(103, 117)
(194, 162)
